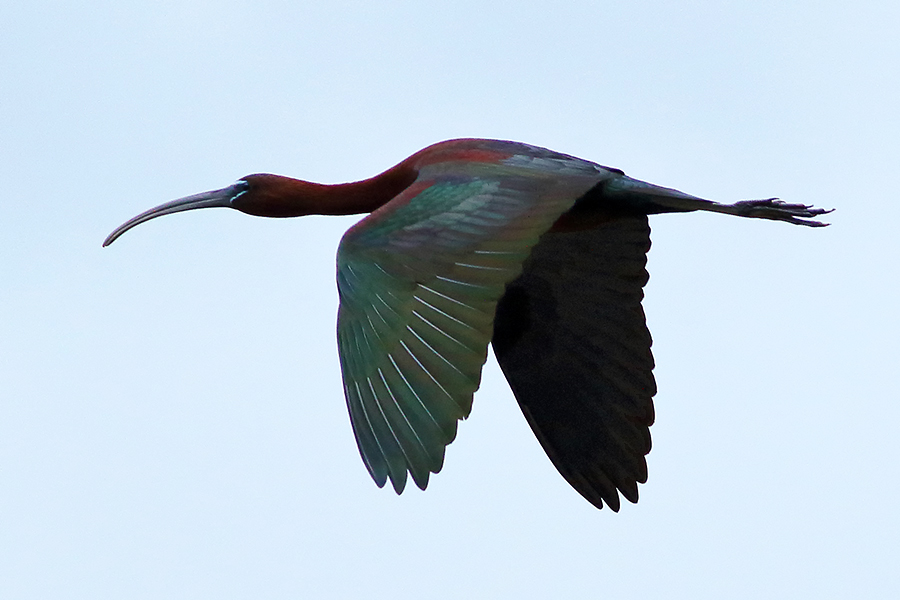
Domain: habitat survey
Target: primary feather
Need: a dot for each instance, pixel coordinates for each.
(419, 282)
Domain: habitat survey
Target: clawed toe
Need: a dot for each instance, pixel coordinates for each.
(775, 209)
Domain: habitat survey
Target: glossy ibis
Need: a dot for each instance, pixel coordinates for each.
(474, 241)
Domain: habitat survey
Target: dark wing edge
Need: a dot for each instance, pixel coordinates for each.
(571, 338)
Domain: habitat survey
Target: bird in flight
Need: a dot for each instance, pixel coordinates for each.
(472, 242)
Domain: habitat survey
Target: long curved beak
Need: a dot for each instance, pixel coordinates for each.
(211, 199)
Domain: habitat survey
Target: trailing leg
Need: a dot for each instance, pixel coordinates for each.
(633, 194)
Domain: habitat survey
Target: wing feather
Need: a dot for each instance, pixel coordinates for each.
(419, 282)
(571, 338)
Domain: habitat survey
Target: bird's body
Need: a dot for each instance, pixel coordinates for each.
(477, 241)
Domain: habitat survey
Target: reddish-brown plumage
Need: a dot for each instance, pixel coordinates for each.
(461, 151)
(277, 196)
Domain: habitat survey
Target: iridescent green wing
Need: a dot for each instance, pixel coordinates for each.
(419, 281)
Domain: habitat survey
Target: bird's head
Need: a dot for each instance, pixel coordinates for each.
(262, 195)
(265, 195)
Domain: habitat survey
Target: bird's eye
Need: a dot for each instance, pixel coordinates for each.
(241, 187)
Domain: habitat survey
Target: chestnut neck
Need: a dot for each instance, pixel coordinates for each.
(277, 196)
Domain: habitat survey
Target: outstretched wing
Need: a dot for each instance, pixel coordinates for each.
(419, 281)
(571, 339)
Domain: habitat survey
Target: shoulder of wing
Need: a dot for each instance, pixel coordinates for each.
(485, 156)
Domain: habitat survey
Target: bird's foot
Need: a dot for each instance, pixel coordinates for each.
(775, 209)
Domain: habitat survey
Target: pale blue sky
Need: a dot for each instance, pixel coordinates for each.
(171, 417)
